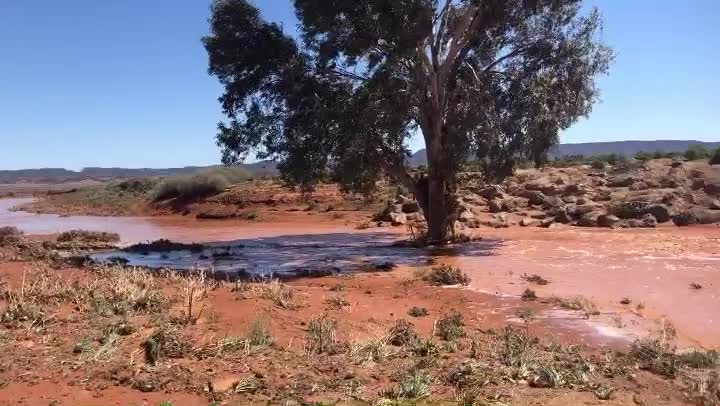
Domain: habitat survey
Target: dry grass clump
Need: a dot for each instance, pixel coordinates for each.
(119, 290)
(372, 350)
(534, 278)
(450, 326)
(85, 236)
(337, 302)
(9, 233)
(163, 245)
(321, 336)
(418, 312)
(446, 275)
(578, 303)
(204, 183)
(282, 295)
(657, 353)
(402, 333)
(414, 385)
(166, 341)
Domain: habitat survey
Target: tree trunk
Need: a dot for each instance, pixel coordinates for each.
(437, 214)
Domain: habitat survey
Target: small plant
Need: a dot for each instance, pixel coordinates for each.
(338, 287)
(166, 342)
(418, 312)
(445, 275)
(282, 295)
(249, 215)
(450, 326)
(373, 350)
(259, 334)
(337, 302)
(579, 304)
(84, 236)
(415, 385)
(82, 346)
(695, 286)
(625, 301)
(535, 279)
(321, 335)
(528, 295)
(402, 333)
(700, 359)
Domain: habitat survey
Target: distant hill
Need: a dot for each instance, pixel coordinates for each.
(60, 175)
(628, 148)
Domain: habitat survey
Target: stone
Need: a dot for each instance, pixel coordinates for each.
(569, 199)
(510, 205)
(398, 219)
(698, 183)
(495, 206)
(553, 202)
(676, 164)
(705, 216)
(576, 189)
(546, 223)
(410, 206)
(631, 210)
(548, 189)
(621, 182)
(414, 217)
(608, 220)
(465, 215)
(714, 205)
(712, 189)
(579, 211)
(535, 197)
(527, 222)
(684, 219)
(660, 212)
(581, 201)
(638, 186)
(492, 192)
(588, 220)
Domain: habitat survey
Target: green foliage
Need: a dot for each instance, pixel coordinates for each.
(695, 152)
(446, 275)
(715, 159)
(84, 236)
(450, 326)
(201, 184)
(346, 97)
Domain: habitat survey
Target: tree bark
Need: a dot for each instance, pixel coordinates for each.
(437, 214)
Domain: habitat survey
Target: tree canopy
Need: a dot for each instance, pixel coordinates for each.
(492, 80)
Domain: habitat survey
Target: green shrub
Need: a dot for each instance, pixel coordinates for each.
(450, 326)
(88, 236)
(446, 275)
(715, 159)
(695, 152)
(205, 183)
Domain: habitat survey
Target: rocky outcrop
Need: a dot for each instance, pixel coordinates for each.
(535, 197)
(647, 221)
(588, 220)
(492, 192)
(608, 220)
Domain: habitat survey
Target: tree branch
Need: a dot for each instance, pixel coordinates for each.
(509, 55)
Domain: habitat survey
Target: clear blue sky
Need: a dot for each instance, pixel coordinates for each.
(124, 83)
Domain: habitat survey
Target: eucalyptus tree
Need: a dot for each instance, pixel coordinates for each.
(490, 80)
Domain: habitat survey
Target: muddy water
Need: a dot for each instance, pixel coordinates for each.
(653, 268)
(650, 267)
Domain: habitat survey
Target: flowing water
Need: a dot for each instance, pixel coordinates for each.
(652, 268)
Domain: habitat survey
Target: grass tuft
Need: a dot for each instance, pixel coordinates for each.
(446, 275)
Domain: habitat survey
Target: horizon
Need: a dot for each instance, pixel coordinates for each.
(132, 91)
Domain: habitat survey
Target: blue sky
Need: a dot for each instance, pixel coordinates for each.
(124, 83)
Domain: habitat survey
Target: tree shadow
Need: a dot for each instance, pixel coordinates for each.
(299, 255)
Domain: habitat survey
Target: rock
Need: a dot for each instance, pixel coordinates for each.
(638, 186)
(561, 215)
(579, 211)
(535, 197)
(548, 189)
(581, 201)
(684, 219)
(546, 223)
(414, 217)
(698, 183)
(576, 189)
(569, 199)
(495, 206)
(631, 210)
(217, 213)
(712, 189)
(660, 212)
(398, 219)
(669, 183)
(603, 196)
(539, 216)
(410, 206)
(714, 205)
(608, 220)
(474, 199)
(510, 205)
(473, 223)
(527, 222)
(588, 220)
(465, 215)
(647, 221)
(705, 216)
(492, 192)
(621, 182)
(553, 202)
(676, 164)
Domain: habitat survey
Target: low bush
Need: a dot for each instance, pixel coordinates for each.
(715, 158)
(446, 275)
(85, 236)
(450, 326)
(205, 183)
(321, 335)
(418, 311)
(402, 333)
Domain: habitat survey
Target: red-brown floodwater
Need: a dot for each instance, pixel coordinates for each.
(653, 267)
